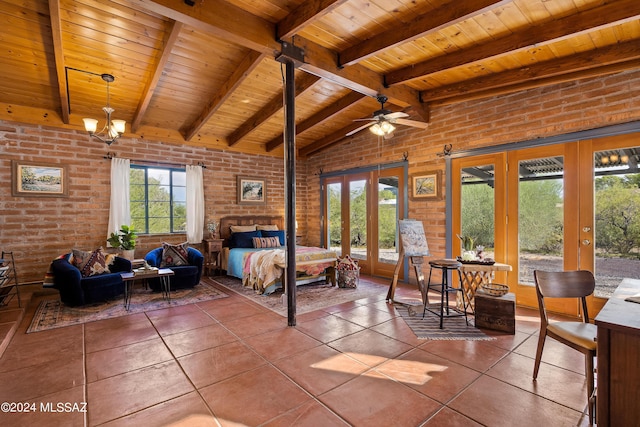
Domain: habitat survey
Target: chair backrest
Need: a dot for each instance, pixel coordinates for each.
(564, 284)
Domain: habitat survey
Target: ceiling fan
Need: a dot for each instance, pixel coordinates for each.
(383, 120)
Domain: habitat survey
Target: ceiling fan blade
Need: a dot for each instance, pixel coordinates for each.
(397, 115)
(413, 123)
(356, 130)
(370, 119)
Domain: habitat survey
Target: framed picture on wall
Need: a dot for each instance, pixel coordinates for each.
(39, 179)
(426, 185)
(251, 191)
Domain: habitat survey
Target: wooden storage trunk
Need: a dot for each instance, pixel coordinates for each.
(496, 313)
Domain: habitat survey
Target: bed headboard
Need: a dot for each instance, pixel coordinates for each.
(227, 221)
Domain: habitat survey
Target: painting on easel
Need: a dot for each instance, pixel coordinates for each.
(414, 242)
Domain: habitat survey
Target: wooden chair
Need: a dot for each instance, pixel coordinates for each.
(577, 335)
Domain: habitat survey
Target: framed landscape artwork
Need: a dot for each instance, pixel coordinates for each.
(426, 185)
(252, 191)
(39, 179)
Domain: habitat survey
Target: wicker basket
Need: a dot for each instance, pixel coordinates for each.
(494, 289)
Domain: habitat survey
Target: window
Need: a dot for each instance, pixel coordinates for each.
(158, 199)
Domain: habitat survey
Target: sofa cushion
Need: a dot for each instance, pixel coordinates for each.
(266, 242)
(174, 255)
(90, 263)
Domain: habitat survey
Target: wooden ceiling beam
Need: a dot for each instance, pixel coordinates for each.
(444, 16)
(599, 17)
(328, 140)
(58, 54)
(303, 82)
(318, 118)
(324, 63)
(170, 40)
(221, 19)
(240, 73)
(240, 27)
(306, 14)
(606, 60)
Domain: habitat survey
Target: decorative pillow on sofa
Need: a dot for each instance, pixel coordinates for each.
(279, 234)
(90, 263)
(174, 255)
(242, 228)
(266, 242)
(243, 239)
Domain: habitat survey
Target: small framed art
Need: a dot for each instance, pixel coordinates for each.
(251, 191)
(426, 185)
(39, 179)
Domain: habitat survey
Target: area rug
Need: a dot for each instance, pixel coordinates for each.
(428, 328)
(52, 313)
(310, 297)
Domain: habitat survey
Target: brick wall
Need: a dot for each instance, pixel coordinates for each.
(528, 115)
(39, 229)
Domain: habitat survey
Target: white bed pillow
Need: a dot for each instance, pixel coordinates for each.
(267, 227)
(242, 228)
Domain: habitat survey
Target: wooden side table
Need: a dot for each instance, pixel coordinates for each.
(473, 276)
(212, 252)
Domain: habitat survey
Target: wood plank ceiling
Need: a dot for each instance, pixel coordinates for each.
(203, 72)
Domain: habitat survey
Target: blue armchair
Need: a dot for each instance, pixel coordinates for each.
(186, 276)
(76, 290)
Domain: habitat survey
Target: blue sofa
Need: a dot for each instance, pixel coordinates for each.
(76, 290)
(186, 276)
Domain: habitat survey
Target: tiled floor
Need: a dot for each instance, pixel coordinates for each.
(231, 362)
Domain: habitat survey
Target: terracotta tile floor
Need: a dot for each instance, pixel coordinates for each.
(231, 362)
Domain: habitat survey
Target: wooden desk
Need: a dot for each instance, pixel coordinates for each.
(474, 275)
(212, 251)
(618, 378)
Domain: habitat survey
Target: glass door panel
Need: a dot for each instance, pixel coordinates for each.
(358, 219)
(477, 204)
(388, 215)
(610, 218)
(540, 216)
(334, 217)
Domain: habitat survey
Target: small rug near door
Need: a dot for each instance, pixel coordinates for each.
(52, 314)
(309, 297)
(428, 328)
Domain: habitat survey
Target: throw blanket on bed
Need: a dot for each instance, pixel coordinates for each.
(263, 268)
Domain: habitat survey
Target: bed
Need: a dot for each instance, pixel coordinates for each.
(263, 268)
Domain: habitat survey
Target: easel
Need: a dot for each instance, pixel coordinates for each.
(417, 262)
(411, 237)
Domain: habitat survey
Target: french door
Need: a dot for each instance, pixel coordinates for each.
(560, 207)
(362, 212)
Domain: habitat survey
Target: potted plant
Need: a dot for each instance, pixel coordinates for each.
(125, 239)
(468, 252)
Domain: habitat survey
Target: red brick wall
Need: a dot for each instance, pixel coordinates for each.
(39, 229)
(532, 114)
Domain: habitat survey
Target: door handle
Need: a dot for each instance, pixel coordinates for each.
(586, 229)
(586, 242)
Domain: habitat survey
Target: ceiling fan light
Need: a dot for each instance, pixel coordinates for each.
(387, 127)
(377, 129)
(90, 125)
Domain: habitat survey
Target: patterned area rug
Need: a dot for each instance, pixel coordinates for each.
(310, 297)
(52, 314)
(428, 328)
